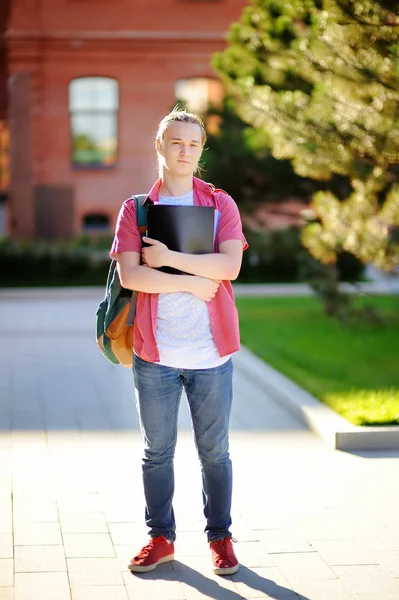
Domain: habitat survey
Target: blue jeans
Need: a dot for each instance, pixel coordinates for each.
(209, 394)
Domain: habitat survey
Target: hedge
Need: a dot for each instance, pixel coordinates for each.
(272, 256)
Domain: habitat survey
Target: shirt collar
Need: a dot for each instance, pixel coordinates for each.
(198, 184)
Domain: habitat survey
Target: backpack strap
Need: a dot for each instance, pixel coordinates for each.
(141, 212)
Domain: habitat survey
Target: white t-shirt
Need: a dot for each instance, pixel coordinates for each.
(183, 333)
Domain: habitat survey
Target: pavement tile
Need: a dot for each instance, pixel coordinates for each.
(267, 582)
(198, 580)
(82, 502)
(369, 582)
(88, 545)
(6, 593)
(345, 552)
(37, 534)
(126, 511)
(63, 439)
(29, 487)
(74, 483)
(332, 589)
(41, 586)
(35, 440)
(94, 571)
(28, 439)
(124, 554)
(242, 532)
(36, 512)
(31, 559)
(5, 503)
(129, 533)
(83, 522)
(5, 487)
(191, 543)
(302, 566)
(189, 521)
(6, 572)
(188, 565)
(253, 554)
(120, 513)
(6, 545)
(389, 561)
(283, 540)
(96, 592)
(114, 488)
(328, 525)
(5, 437)
(5, 460)
(26, 470)
(260, 518)
(34, 458)
(5, 521)
(160, 583)
(201, 587)
(384, 539)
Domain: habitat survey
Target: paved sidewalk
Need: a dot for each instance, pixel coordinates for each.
(311, 523)
(383, 286)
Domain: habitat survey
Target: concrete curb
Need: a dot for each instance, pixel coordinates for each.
(240, 289)
(52, 293)
(387, 287)
(336, 431)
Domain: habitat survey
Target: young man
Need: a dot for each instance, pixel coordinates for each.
(185, 331)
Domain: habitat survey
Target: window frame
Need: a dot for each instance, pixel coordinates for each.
(91, 229)
(209, 100)
(113, 113)
(5, 156)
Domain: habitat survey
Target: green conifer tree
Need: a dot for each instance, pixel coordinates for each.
(321, 77)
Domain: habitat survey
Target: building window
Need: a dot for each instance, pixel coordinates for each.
(96, 223)
(198, 93)
(4, 156)
(93, 109)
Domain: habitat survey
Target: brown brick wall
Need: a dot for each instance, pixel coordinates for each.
(146, 46)
(21, 201)
(3, 84)
(4, 14)
(125, 15)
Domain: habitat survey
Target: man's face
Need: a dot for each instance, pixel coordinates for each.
(181, 148)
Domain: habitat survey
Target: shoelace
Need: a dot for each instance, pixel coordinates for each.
(144, 552)
(223, 546)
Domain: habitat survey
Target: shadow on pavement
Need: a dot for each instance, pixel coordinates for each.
(210, 588)
(374, 453)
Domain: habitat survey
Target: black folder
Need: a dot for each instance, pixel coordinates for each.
(187, 229)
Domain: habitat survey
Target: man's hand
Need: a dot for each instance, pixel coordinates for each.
(156, 255)
(203, 288)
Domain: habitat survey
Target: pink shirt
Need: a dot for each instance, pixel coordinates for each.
(223, 314)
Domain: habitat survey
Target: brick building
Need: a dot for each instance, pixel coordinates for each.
(88, 82)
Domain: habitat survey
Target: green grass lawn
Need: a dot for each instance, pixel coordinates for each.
(354, 369)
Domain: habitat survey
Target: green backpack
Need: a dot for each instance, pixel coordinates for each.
(115, 314)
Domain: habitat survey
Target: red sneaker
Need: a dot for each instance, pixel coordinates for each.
(157, 551)
(224, 560)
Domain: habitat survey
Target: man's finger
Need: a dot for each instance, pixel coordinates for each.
(148, 240)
